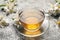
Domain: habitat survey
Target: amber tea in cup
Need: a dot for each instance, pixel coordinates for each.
(31, 19)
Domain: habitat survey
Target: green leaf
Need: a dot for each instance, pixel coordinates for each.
(3, 23)
(11, 10)
(12, 0)
(2, 5)
(57, 1)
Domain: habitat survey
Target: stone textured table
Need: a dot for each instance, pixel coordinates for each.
(9, 33)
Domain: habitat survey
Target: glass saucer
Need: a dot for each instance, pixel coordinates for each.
(41, 31)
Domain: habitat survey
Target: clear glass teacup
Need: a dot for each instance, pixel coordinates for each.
(32, 22)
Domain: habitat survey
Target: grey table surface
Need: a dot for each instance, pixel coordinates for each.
(9, 33)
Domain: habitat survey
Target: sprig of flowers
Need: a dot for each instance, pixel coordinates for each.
(54, 10)
(9, 6)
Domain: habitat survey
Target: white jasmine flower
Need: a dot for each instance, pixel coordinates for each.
(1, 16)
(55, 8)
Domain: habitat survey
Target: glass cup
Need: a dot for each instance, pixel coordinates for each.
(32, 22)
(31, 19)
